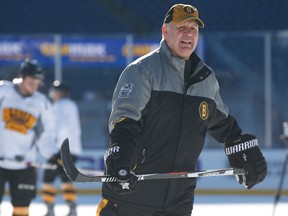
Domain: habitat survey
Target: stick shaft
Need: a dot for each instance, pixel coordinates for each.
(32, 164)
(77, 176)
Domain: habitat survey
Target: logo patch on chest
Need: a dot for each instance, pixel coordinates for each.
(18, 120)
(203, 110)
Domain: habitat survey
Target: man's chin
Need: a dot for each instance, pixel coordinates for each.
(186, 54)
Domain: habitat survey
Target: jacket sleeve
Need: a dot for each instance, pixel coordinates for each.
(226, 127)
(221, 124)
(45, 132)
(68, 124)
(130, 97)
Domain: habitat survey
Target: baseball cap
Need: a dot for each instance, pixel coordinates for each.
(59, 86)
(181, 12)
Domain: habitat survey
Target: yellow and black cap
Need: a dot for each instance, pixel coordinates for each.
(180, 12)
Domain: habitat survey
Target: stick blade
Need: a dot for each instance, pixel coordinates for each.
(68, 164)
(70, 169)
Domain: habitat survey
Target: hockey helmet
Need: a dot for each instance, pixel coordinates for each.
(31, 68)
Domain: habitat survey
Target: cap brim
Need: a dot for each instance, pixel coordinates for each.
(38, 77)
(182, 19)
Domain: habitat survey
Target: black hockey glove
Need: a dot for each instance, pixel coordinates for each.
(243, 152)
(56, 159)
(120, 160)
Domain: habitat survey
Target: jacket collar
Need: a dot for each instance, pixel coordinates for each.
(175, 62)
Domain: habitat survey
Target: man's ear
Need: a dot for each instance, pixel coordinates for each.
(164, 30)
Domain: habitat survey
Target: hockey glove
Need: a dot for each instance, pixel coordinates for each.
(56, 159)
(120, 160)
(243, 152)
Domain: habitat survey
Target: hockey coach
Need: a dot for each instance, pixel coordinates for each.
(163, 105)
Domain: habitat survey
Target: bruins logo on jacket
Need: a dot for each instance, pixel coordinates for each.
(203, 110)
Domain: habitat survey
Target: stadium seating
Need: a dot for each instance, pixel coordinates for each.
(130, 16)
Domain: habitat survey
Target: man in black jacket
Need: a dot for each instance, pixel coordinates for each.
(163, 105)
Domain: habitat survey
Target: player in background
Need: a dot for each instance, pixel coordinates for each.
(163, 105)
(26, 124)
(67, 126)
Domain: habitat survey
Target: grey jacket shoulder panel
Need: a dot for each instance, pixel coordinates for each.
(157, 71)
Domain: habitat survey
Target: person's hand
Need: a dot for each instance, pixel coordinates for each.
(120, 160)
(243, 152)
(56, 159)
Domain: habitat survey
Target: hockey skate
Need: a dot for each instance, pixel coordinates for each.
(72, 207)
(50, 209)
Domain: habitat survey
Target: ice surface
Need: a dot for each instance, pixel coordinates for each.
(237, 205)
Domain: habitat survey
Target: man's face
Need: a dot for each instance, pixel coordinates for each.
(29, 85)
(181, 38)
(55, 95)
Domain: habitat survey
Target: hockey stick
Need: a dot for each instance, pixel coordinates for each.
(19, 159)
(284, 138)
(42, 165)
(76, 176)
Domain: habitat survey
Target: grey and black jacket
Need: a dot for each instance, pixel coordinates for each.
(163, 106)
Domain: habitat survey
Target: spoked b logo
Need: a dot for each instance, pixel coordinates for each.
(122, 172)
